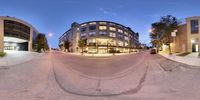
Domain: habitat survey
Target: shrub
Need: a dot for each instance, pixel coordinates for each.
(199, 54)
(2, 54)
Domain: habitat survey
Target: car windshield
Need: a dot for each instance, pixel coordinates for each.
(99, 50)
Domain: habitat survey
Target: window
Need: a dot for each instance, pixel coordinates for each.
(91, 41)
(102, 33)
(83, 34)
(92, 33)
(112, 24)
(194, 26)
(112, 29)
(120, 43)
(120, 31)
(92, 28)
(126, 38)
(126, 43)
(103, 23)
(102, 27)
(83, 24)
(92, 23)
(126, 33)
(83, 29)
(112, 34)
(120, 36)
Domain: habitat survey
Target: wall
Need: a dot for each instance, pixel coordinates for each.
(1, 35)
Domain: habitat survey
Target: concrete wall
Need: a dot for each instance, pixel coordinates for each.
(191, 36)
(1, 35)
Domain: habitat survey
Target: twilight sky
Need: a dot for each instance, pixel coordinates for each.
(56, 16)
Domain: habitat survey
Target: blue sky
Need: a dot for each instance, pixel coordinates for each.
(56, 16)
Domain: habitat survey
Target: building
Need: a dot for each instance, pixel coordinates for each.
(16, 34)
(188, 36)
(100, 36)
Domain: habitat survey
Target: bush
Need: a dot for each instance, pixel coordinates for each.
(199, 54)
(2, 54)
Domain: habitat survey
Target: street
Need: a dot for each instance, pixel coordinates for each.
(61, 76)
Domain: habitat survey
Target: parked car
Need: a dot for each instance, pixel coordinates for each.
(153, 51)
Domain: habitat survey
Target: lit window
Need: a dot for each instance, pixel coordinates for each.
(126, 33)
(92, 33)
(126, 38)
(91, 41)
(102, 33)
(112, 29)
(126, 43)
(119, 30)
(83, 24)
(102, 27)
(112, 34)
(120, 43)
(92, 23)
(102, 23)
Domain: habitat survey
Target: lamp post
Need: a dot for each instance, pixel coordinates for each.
(50, 35)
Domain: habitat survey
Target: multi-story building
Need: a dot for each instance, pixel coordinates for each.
(16, 34)
(188, 36)
(100, 36)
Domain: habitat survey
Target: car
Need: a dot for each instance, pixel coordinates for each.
(153, 51)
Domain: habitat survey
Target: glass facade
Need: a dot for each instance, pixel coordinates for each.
(16, 29)
(194, 26)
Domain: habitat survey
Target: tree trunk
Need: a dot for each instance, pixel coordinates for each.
(170, 52)
(82, 50)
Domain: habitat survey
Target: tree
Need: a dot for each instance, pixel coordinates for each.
(161, 31)
(170, 24)
(41, 42)
(82, 43)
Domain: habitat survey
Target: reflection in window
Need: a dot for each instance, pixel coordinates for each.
(92, 33)
(83, 34)
(92, 28)
(195, 26)
(83, 29)
(103, 33)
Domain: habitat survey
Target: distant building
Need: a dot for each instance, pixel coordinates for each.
(16, 34)
(188, 36)
(101, 37)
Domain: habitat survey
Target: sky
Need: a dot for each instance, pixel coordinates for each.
(56, 16)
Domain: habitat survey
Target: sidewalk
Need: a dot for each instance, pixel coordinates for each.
(18, 57)
(193, 61)
(102, 55)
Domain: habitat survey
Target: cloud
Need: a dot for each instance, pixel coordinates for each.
(107, 11)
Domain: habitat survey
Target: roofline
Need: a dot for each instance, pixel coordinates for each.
(100, 21)
(20, 21)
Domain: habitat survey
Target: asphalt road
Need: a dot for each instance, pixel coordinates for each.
(59, 76)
